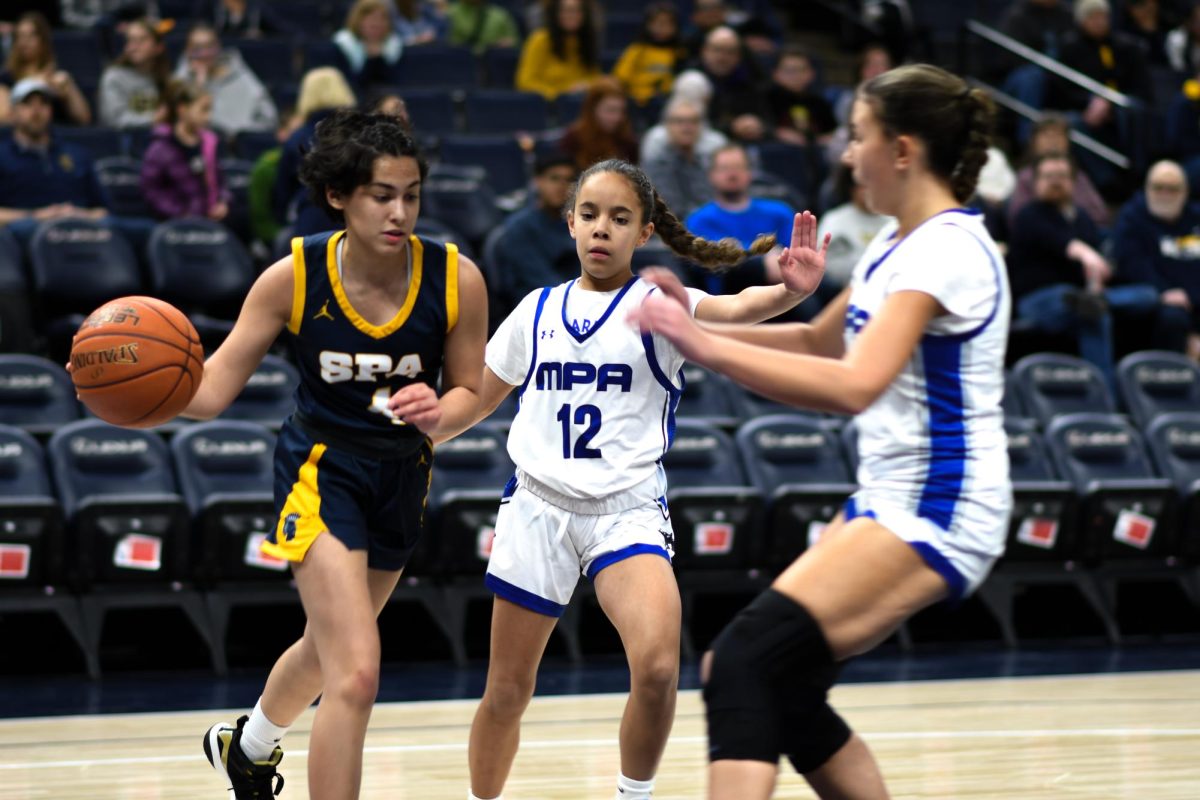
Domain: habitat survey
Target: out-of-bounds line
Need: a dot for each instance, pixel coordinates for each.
(881, 736)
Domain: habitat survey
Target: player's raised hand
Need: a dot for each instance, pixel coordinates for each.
(662, 315)
(668, 283)
(417, 405)
(802, 263)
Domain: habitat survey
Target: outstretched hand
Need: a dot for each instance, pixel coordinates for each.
(668, 283)
(802, 264)
(666, 317)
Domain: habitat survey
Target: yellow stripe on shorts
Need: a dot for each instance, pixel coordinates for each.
(299, 521)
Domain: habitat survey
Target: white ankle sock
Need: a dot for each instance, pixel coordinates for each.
(471, 796)
(629, 789)
(260, 736)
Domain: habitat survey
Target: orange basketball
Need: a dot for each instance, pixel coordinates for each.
(136, 362)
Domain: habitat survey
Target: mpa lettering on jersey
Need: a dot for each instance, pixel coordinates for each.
(369, 367)
(556, 376)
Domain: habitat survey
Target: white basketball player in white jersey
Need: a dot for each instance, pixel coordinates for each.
(915, 347)
(596, 415)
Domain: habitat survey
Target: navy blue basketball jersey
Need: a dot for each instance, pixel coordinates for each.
(349, 367)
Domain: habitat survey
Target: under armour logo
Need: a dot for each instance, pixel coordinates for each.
(324, 312)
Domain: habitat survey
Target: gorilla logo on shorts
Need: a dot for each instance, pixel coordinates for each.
(289, 526)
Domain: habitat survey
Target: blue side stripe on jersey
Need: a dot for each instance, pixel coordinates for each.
(537, 316)
(673, 393)
(523, 598)
(583, 337)
(942, 359)
(942, 566)
(608, 559)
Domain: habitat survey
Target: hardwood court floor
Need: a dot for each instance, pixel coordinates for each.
(1132, 735)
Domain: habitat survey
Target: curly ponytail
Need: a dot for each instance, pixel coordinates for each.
(974, 153)
(714, 256)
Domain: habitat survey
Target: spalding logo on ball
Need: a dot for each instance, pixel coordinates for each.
(137, 362)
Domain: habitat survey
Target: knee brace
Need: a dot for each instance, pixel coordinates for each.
(765, 696)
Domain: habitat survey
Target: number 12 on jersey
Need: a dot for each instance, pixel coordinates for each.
(584, 415)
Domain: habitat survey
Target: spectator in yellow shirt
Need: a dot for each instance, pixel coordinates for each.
(647, 67)
(563, 56)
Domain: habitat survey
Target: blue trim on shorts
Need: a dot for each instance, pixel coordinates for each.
(942, 566)
(608, 559)
(523, 598)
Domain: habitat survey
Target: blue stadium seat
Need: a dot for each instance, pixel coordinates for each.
(118, 492)
(98, 142)
(1042, 527)
(17, 333)
(320, 52)
(788, 162)
(31, 548)
(714, 508)
(469, 475)
(438, 231)
(269, 396)
(431, 111)
(78, 264)
(464, 198)
(1158, 382)
(567, 108)
(441, 66)
(136, 140)
(500, 66)
(250, 145)
(36, 394)
(121, 177)
(1174, 440)
(1051, 384)
(798, 464)
(708, 396)
(1013, 405)
(236, 172)
(505, 111)
(500, 156)
(621, 29)
(200, 267)
(1126, 510)
(12, 262)
(226, 473)
(78, 52)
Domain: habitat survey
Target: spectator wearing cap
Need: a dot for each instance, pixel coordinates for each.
(1157, 241)
(536, 248)
(42, 178)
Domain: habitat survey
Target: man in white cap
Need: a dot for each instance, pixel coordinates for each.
(41, 177)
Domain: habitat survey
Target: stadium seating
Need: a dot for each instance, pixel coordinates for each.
(36, 394)
(798, 464)
(500, 157)
(432, 111)
(709, 397)
(31, 547)
(490, 111)
(1051, 384)
(440, 66)
(1158, 382)
(121, 177)
(1174, 441)
(269, 395)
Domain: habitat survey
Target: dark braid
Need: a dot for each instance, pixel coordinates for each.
(714, 256)
(974, 153)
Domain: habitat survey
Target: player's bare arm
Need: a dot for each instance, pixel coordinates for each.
(264, 314)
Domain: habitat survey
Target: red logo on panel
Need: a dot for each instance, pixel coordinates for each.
(714, 538)
(137, 551)
(14, 561)
(483, 542)
(255, 557)
(1038, 532)
(1134, 529)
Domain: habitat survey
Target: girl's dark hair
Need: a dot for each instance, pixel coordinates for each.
(713, 256)
(943, 111)
(344, 152)
(41, 27)
(181, 93)
(653, 10)
(588, 46)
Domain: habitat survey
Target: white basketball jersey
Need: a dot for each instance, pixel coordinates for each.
(935, 439)
(597, 398)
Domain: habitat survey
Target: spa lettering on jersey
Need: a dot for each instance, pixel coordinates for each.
(555, 376)
(369, 367)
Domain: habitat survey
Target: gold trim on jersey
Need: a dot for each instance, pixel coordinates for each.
(451, 286)
(414, 288)
(303, 507)
(299, 287)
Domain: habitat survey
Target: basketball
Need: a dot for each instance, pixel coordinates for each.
(136, 362)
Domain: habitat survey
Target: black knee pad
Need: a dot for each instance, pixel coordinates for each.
(765, 696)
